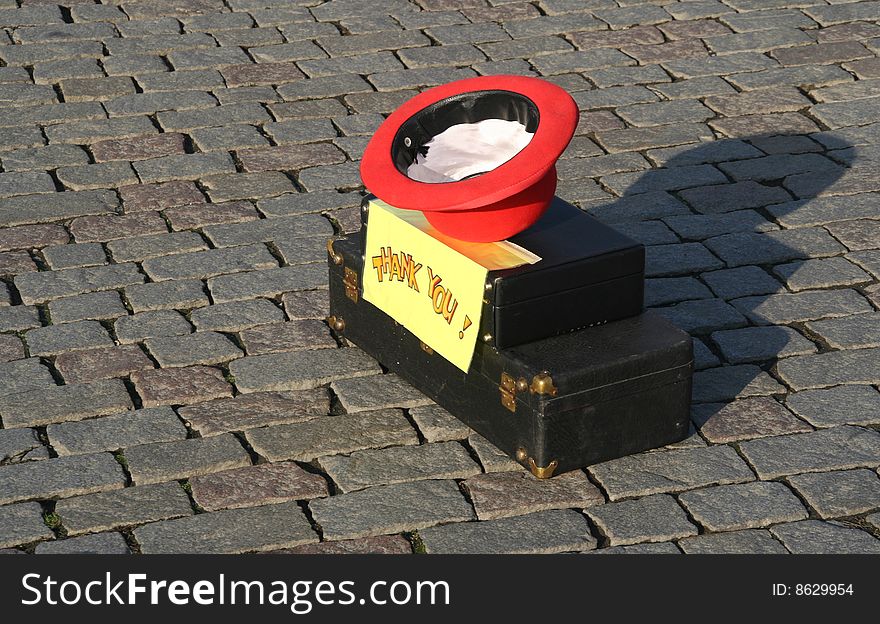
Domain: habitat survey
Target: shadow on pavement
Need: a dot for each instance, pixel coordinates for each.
(739, 257)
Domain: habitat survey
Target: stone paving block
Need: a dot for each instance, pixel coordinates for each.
(32, 236)
(11, 348)
(849, 332)
(137, 327)
(649, 233)
(306, 304)
(822, 210)
(868, 260)
(703, 226)
(703, 358)
(839, 448)
(670, 471)
(179, 294)
(503, 494)
(179, 459)
(839, 493)
(53, 404)
(650, 519)
(803, 306)
(755, 344)
(304, 441)
(543, 532)
(645, 548)
(747, 542)
(841, 405)
(104, 363)
(724, 198)
(255, 410)
(43, 208)
(631, 139)
(125, 507)
(100, 306)
(60, 477)
(116, 432)
(614, 96)
(824, 273)
(743, 506)
(183, 167)
(296, 335)
(748, 418)
(673, 289)
(198, 216)
(22, 523)
(300, 370)
(204, 264)
(703, 316)
(857, 235)
(377, 392)
(268, 527)
(829, 369)
(187, 350)
(44, 158)
(57, 339)
(179, 386)
(492, 458)
(16, 262)
(742, 248)
(141, 248)
(236, 316)
(661, 260)
(47, 285)
(25, 183)
(817, 537)
(729, 382)
(225, 138)
(267, 283)
(368, 468)
(19, 318)
(74, 255)
(404, 507)
(438, 425)
(222, 188)
(256, 485)
(112, 227)
(97, 544)
(280, 229)
(16, 139)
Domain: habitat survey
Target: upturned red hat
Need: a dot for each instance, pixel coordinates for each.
(489, 206)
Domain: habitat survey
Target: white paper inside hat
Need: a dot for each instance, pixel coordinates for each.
(463, 150)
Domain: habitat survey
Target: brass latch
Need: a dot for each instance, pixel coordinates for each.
(350, 281)
(509, 387)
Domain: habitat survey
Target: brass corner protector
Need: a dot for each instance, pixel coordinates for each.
(427, 349)
(350, 282)
(542, 383)
(336, 323)
(544, 472)
(334, 257)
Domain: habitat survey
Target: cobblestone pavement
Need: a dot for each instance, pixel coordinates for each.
(171, 170)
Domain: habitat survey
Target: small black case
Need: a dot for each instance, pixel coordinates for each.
(553, 404)
(589, 274)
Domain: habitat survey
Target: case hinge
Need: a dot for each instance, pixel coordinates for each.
(350, 281)
(509, 387)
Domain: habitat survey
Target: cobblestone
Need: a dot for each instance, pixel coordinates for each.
(841, 405)
(268, 527)
(22, 523)
(405, 506)
(115, 432)
(60, 477)
(539, 533)
(817, 537)
(650, 519)
(743, 506)
(251, 411)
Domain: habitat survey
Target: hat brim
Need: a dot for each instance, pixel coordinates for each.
(558, 117)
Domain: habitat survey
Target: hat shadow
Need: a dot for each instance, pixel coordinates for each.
(730, 225)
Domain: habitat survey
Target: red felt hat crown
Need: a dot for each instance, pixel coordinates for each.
(489, 206)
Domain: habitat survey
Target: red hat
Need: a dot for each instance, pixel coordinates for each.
(486, 207)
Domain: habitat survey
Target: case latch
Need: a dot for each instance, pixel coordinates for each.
(509, 387)
(350, 281)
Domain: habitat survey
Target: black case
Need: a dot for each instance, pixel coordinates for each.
(553, 404)
(589, 274)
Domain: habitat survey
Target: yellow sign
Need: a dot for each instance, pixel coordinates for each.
(429, 283)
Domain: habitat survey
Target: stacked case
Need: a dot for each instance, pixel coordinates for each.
(568, 372)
